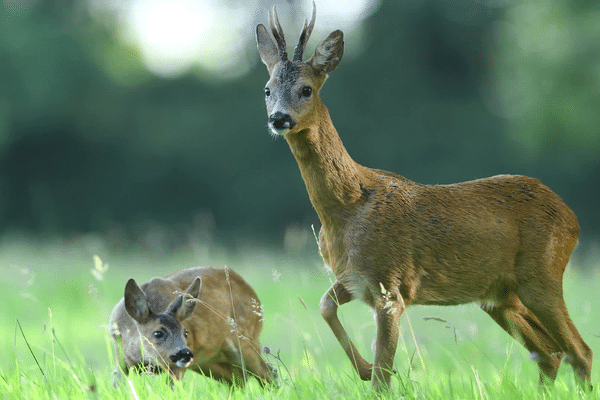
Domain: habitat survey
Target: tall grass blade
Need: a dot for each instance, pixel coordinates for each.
(31, 351)
(62, 348)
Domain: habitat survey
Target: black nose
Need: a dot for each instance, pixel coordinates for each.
(281, 121)
(182, 356)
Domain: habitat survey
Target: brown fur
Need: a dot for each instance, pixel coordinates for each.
(503, 241)
(222, 330)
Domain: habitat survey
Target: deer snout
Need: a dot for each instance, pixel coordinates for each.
(182, 358)
(281, 122)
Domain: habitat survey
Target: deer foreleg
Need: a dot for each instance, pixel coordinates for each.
(331, 300)
(388, 324)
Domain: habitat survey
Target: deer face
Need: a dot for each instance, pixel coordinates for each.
(162, 339)
(291, 93)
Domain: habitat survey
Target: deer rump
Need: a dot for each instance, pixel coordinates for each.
(204, 319)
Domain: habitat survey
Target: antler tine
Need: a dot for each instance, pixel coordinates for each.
(278, 34)
(305, 35)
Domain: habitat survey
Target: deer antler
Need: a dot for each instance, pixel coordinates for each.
(305, 35)
(278, 34)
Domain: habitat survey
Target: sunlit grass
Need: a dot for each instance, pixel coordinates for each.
(55, 310)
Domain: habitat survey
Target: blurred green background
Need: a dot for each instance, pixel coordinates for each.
(142, 122)
(136, 130)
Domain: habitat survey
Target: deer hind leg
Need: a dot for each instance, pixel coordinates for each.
(545, 301)
(243, 362)
(331, 300)
(583, 370)
(235, 357)
(255, 364)
(522, 325)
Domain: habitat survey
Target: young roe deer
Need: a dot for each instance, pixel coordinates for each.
(502, 241)
(204, 319)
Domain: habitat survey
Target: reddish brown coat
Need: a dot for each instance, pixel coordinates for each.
(221, 330)
(502, 241)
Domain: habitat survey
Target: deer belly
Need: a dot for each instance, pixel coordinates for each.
(460, 286)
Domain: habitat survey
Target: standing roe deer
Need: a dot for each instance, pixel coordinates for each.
(160, 327)
(502, 241)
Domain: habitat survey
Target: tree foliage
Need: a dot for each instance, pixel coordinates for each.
(440, 92)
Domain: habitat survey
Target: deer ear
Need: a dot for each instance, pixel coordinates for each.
(182, 307)
(328, 54)
(266, 48)
(135, 302)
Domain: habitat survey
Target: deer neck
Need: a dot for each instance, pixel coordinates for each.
(332, 177)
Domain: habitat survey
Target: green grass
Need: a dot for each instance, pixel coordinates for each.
(53, 340)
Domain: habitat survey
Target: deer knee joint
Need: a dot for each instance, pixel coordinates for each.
(328, 307)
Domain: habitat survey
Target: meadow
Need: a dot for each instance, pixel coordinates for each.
(56, 299)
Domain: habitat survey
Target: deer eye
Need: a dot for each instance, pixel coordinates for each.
(306, 91)
(267, 92)
(158, 335)
(185, 334)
